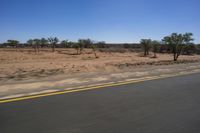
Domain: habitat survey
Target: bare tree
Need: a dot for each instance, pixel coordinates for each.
(53, 41)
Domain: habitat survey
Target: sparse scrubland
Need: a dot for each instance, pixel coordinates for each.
(46, 57)
(24, 64)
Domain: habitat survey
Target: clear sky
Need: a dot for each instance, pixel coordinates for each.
(101, 20)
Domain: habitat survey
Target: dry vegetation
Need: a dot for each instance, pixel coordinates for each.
(24, 63)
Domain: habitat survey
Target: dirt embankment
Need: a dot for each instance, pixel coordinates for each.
(25, 64)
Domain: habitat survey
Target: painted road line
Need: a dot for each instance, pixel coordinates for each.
(86, 88)
(70, 91)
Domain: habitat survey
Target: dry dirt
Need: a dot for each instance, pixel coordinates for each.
(25, 64)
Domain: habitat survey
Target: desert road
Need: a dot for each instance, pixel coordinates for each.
(170, 105)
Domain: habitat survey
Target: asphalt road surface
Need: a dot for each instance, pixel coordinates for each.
(170, 105)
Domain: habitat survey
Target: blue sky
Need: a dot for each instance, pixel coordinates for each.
(101, 20)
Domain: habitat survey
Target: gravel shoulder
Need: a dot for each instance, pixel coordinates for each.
(67, 82)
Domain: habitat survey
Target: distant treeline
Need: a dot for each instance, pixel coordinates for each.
(159, 46)
(190, 49)
(73, 44)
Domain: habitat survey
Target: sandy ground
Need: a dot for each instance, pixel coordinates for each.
(25, 64)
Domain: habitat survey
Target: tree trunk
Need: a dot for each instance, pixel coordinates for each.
(95, 53)
(53, 48)
(144, 52)
(147, 52)
(81, 51)
(35, 49)
(77, 50)
(155, 56)
(175, 57)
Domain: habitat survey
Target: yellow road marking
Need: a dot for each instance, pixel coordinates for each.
(78, 89)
